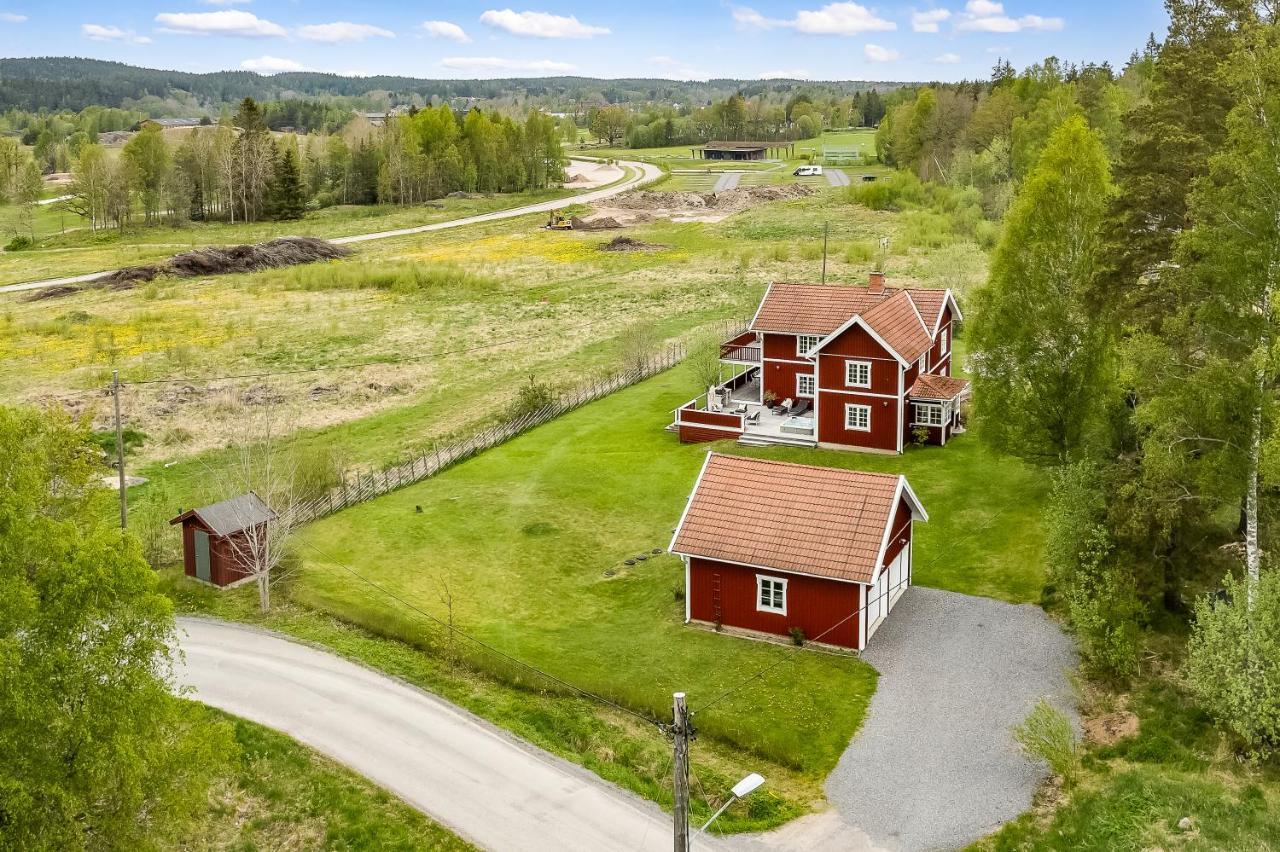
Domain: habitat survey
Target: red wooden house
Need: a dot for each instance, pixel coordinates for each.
(215, 544)
(770, 547)
(837, 366)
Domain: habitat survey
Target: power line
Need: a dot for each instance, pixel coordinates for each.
(661, 726)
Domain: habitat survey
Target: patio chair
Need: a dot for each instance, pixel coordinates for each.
(754, 417)
(785, 408)
(801, 407)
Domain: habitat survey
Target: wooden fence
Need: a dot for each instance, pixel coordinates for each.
(427, 464)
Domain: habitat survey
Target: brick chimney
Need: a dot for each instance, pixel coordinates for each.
(876, 283)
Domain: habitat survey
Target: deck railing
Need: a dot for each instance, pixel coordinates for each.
(428, 463)
(741, 354)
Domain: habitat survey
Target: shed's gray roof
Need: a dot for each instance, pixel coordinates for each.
(235, 514)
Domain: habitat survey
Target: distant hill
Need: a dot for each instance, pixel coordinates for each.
(72, 83)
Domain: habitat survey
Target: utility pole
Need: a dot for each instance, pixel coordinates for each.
(124, 500)
(680, 770)
(825, 228)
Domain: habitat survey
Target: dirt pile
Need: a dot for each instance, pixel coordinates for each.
(647, 205)
(628, 244)
(595, 223)
(218, 260)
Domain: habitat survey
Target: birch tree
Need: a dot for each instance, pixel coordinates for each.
(1209, 379)
(90, 182)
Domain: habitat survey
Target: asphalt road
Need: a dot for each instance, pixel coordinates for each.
(487, 786)
(728, 180)
(645, 173)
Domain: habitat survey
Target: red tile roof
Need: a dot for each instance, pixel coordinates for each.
(929, 386)
(821, 309)
(791, 517)
(811, 308)
(899, 324)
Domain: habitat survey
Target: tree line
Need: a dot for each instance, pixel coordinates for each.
(1127, 341)
(238, 171)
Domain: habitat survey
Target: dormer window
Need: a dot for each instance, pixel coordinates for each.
(944, 341)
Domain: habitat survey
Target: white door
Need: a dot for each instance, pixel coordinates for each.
(897, 577)
(877, 603)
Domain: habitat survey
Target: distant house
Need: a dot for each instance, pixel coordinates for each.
(836, 366)
(168, 123)
(739, 150)
(789, 549)
(215, 539)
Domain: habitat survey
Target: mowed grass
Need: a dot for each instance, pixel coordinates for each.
(529, 541)
(279, 794)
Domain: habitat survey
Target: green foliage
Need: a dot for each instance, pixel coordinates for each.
(532, 396)
(1048, 734)
(1233, 661)
(105, 439)
(1097, 588)
(286, 194)
(85, 646)
(1039, 350)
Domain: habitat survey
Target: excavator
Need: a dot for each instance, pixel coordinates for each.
(557, 221)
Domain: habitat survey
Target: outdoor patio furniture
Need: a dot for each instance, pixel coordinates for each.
(800, 408)
(753, 417)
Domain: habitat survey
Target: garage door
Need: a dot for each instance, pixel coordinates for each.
(897, 578)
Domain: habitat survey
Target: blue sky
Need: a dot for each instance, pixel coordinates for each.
(923, 40)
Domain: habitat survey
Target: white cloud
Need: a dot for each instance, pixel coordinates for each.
(786, 74)
(832, 19)
(272, 65)
(445, 29)
(342, 31)
(927, 22)
(97, 32)
(228, 22)
(540, 24)
(12, 18)
(947, 59)
(225, 2)
(876, 53)
(496, 63)
(984, 16)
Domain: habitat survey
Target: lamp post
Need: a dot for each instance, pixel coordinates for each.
(741, 789)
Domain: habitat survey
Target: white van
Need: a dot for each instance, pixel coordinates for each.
(808, 171)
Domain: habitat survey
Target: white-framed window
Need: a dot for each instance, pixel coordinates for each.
(805, 384)
(857, 374)
(806, 342)
(944, 339)
(929, 414)
(923, 360)
(771, 594)
(857, 418)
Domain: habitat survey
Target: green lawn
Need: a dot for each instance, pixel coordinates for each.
(530, 539)
(279, 794)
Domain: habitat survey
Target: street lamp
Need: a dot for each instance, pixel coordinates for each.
(741, 789)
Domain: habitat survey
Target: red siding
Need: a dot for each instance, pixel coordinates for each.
(781, 346)
(777, 374)
(899, 532)
(224, 564)
(886, 419)
(940, 364)
(814, 604)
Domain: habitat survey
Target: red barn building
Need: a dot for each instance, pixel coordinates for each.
(770, 547)
(840, 367)
(217, 539)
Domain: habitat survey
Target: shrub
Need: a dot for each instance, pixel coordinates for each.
(1049, 735)
(1233, 662)
(19, 244)
(797, 636)
(532, 396)
(859, 253)
(919, 435)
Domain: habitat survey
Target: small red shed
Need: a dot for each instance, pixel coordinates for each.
(216, 539)
(772, 547)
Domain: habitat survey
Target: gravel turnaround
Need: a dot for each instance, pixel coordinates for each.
(935, 765)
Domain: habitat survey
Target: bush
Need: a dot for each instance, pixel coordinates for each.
(532, 396)
(18, 244)
(797, 636)
(1049, 735)
(919, 435)
(1233, 662)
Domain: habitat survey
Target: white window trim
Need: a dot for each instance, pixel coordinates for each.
(945, 337)
(916, 407)
(801, 350)
(760, 607)
(848, 409)
(848, 367)
(812, 379)
(920, 368)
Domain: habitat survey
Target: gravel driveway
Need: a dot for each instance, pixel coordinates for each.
(935, 765)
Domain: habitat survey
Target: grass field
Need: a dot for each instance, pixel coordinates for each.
(282, 795)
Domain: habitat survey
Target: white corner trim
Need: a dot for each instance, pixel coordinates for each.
(754, 317)
(688, 591)
(689, 503)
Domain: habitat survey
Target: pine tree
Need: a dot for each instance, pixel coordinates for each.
(287, 198)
